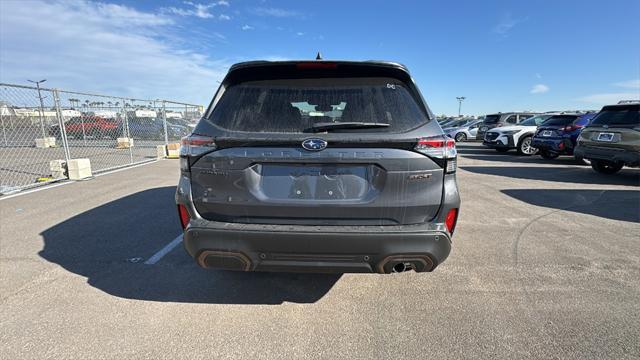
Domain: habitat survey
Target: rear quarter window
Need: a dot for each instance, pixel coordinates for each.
(294, 105)
(491, 119)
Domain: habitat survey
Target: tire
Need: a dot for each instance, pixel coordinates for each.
(606, 167)
(525, 148)
(460, 137)
(502, 150)
(549, 155)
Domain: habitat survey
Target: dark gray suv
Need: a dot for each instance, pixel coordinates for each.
(318, 166)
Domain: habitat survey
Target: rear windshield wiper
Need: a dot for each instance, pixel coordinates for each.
(344, 125)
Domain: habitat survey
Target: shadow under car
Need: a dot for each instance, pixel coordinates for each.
(576, 175)
(104, 244)
(621, 205)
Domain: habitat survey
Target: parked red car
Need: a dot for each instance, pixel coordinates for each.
(94, 126)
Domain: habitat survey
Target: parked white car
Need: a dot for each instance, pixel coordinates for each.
(516, 137)
(463, 132)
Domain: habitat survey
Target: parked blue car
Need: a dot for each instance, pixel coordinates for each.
(558, 135)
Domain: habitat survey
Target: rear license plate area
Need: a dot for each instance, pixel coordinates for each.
(314, 182)
(547, 133)
(605, 137)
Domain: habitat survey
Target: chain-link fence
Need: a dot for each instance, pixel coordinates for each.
(39, 126)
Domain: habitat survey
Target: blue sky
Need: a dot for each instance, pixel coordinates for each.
(502, 55)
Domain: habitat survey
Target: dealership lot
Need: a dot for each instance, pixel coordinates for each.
(545, 263)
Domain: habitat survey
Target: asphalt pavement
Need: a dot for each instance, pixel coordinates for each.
(545, 264)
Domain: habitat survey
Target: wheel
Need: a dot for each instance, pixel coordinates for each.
(502, 150)
(525, 148)
(549, 155)
(460, 137)
(582, 161)
(606, 167)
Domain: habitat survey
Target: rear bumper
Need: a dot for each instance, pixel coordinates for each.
(315, 250)
(562, 146)
(629, 158)
(310, 248)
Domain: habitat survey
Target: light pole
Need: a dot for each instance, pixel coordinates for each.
(460, 100)
(41, 105)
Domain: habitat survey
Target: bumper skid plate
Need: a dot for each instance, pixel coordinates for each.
(317, 251)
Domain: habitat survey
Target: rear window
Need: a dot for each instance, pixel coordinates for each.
(457, 123)
(535, 120)
(618, 115)
(491, 119)
(294, 105)
(560, 120)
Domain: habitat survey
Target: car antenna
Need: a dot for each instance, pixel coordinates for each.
(319, 56)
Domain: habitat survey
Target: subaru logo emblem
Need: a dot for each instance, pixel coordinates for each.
(314, 144)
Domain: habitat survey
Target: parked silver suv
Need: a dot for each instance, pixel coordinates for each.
(501, 119)
(318, 166)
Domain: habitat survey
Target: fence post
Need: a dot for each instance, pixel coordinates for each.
(125, 128)
(84, 134)
(164, 122)
(4, 132)
(61, 126)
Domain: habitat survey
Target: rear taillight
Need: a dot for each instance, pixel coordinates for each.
(451, 220)
(569, 128)
(194, 145)
(441, 149)
(184, 216)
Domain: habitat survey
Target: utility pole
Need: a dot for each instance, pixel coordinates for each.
(41, 105)
(460, 100)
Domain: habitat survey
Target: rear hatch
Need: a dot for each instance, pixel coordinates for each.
(490, 121)
(330, 145)
(555, 126)
(615, 127)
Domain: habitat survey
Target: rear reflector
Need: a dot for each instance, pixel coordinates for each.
(451, 220)
(184, 216)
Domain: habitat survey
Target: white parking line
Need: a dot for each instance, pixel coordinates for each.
(164, 251)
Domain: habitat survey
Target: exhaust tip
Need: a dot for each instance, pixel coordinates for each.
(225, 260)
(399, 267)
(402, 263)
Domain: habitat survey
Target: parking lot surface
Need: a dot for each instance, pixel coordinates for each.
(545, 264)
